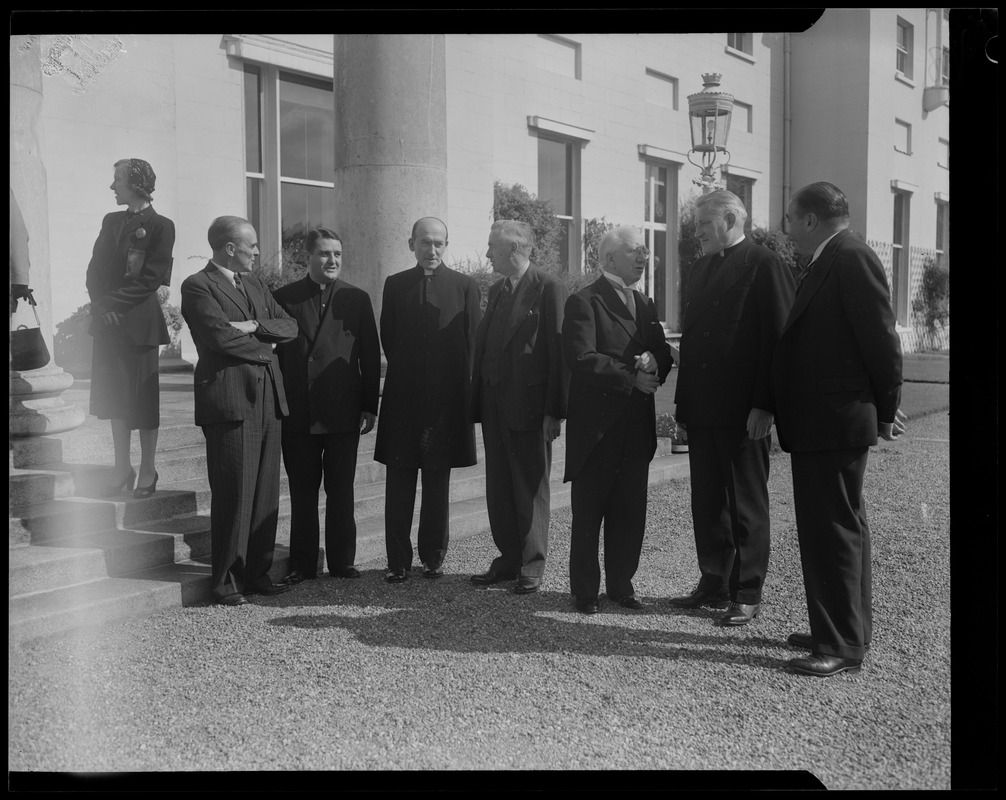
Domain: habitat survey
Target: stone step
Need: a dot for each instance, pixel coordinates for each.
(40, 522)
(109, 565)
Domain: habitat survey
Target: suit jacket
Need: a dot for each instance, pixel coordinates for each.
(428, 332)
(230, 372)
(837, 365)
(332, 370)
(535, 379)
(600, 342)
(732, 321)
(131, 260)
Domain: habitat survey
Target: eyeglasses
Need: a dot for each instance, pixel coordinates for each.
(642, 250)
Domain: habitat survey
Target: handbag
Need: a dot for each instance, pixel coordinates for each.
(27, 347)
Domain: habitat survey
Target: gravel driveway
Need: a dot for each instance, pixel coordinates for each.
(442, 675)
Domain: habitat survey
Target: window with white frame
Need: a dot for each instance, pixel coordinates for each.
(743, 42)
(904, 52)
(662, 279)
(289, 156)
(557, 54)
(559, 183)
(943, 154)
(943, 233)
(902, 137)
(900, 255)
(661, 89)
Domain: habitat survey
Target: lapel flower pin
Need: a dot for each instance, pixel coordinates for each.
(140, 233)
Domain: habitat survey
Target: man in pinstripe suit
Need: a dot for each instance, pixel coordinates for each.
(239, 401)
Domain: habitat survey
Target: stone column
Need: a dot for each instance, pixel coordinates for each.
(36, 407)
(390, 149)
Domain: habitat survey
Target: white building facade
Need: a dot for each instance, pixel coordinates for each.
(598, 124)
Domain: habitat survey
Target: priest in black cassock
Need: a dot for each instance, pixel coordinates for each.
(429, 315)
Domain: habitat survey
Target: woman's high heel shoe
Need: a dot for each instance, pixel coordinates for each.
(125, 486)
(146, 491)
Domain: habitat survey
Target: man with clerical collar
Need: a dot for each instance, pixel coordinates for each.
(332, 374)
(519, 389)
(737, 299)
(429, 315)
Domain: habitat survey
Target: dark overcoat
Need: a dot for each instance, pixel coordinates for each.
(332, 370)
(837, 366)
(428, 329)
(131, 259)
(600, 343)
(732, 321)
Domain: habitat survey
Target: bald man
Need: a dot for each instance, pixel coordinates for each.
(618, 355)
(429, 316)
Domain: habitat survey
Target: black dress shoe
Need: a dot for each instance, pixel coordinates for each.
(235, 599)
(527, 585)
(631, 602)
(346, 572)
(270, 589)
(700, 597)
(823, 666)
(396, 575)
(146, 491)
(296, 576)
(739, 614)
(490, 577)
(431, 571)
(587, 605)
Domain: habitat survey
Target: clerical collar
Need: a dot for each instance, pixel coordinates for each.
(322, 287)
(616, 280)
(726, 250)
(429, 272)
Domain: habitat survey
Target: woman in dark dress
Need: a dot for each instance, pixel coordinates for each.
(132, 258)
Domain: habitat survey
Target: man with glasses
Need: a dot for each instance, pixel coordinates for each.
(738, 297)
(618, 357)
(428, 319)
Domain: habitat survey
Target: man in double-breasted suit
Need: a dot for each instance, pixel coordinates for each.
(429, 315)
(239, 400)
(737, 301)
(837, 382)
(332, 377)
(618, 357)
(519, 387)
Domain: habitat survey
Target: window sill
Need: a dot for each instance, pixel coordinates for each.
(739, 54)
(902, 78)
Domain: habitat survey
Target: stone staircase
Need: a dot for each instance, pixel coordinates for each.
(79, 559)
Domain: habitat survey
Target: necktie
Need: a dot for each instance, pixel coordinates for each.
(803, 274)
(239, 285)
(630, 301)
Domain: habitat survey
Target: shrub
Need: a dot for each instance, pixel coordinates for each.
(71, 343)
(931, 304)
(515, 202)
(292, 266)
(777, 240)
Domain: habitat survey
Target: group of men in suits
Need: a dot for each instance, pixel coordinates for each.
(820, 359)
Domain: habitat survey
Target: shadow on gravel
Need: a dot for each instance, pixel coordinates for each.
(454, 616)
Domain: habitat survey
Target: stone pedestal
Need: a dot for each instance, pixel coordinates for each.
(35, 404)
(390, 149)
